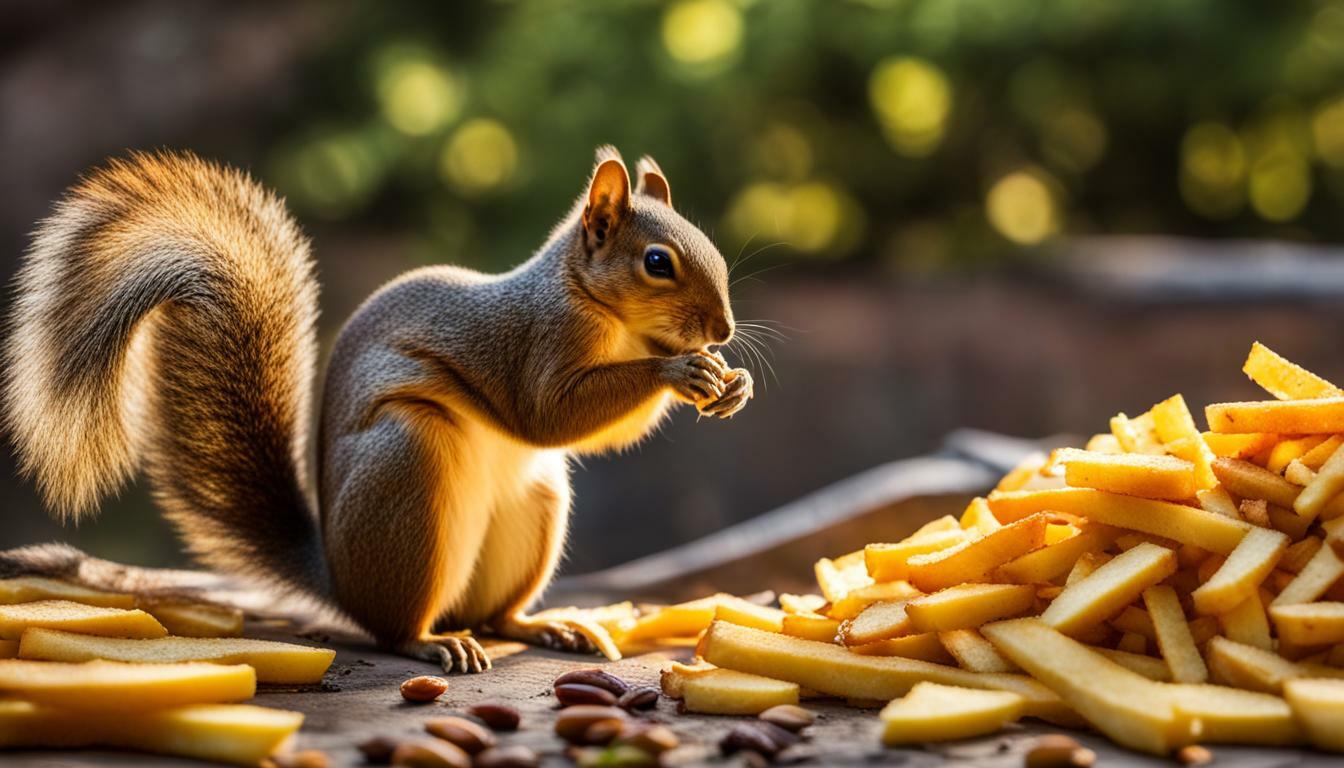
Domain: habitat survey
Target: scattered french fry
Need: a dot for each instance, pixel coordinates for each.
(1135, 474)
(1284, 379)
(856, 600)
(811, 627)
(1174, 638)
(933, 712)
(1319, 706)
(973, 652)
(1054, 560)
(924, 646)
(1241, 573)
(1309, 623)
(1318, 575)
(1233, 716)
(890, 562)
(974, 560)
(1149, 667)
(879, 621)
(1247, 623)
(238, 734)
(1107, 590)
(26, 589)
(112, 686)
(967, 606)
(1324, 487)
(749, 614)
(77, 617)
(274, 662)
(1321, 416)
(727, 692)
(196, 619)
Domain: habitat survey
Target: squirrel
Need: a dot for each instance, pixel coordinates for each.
(165, 317)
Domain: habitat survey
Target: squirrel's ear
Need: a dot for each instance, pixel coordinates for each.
(652, 182)
(608, 203)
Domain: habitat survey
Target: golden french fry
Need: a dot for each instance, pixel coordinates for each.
(1251, 481)
(1149, 667)
(1319, 706)
(1175, 427)
(1107, 590)
(1239, 446)
(1135, 474)
(1133, 643)
(811, 627)
(856, 600)
(1136, 435)
(837, 578)
(1298, 473)
(1321, 416)
(890, 562)
(974, 560)
(834, 670)
(1173, 635)
(1241, 573)
(924, 646)
(1328, 484)
(196, 619)
(1287, 451)
(1135, 621)
(1255, 669)
(27, 589)
(1054, 560)
(801, 603)
(1101, 443)
(1318, 575)
(1187, 525)
(1233, 716)
(966, 606)
(1130, 709)
(1299, 553)
(749, 614)
(973, 652)
(1284, 379)
(672, 678)
(728, 692)
(1309, 623)
(880, 621)
(933, 712)
(1247, 623)
(1219, 501)
(113, 686)
(77, 617)
(274, 662)
(1027, 471)
(977, 518)
(1316, 457)
(238, 734)
(683, 620)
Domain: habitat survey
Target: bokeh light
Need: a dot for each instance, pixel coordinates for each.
(912, 99)
(814, 217)
(417, 95)
(1327, 133)
(1280, 185)
(701, 32)
(1021, 207)
(480, 156)
(1213, 170)
(333, 172)
(1075, 139)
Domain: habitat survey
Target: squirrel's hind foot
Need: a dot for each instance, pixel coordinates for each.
(458, 652)
(556, 634)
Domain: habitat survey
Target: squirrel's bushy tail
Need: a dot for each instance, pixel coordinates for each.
(164, 314)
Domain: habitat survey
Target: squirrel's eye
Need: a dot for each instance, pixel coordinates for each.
(658, 263)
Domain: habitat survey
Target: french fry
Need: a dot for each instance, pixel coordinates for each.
(1284, 379)
(974, 653)
(967, 606)
(77, 617)
(672, 679)
(811, 627)
(26, 589)
(1109, 589)
(1151, 668)
(1175, 427)
(1239, 446)
(1309, 623)
(1219, 501)
(924, 646)
(1298, 473)
(1136, 435)
(728, 692)
(1085, 565)
(890, 562)
(1319, 706)
(837, 578)
(1101, 443)
(801, 603)
(274, 662)
(1251, 481)
(1299, 553)
(1244, 666)
(1255, 512)
(1318, 575)
(682, 620)
(1173, 635)
(1187, 525)
(1130, 709)
(977, 518)
(974, 560)
(1133, 474)
(856, 600)
(113, 686)
(196, 619)
(1054, 560)
(1134, 643)
(1233, 716)
(933, 712)
(1135, 621)
(1027, 470)
(880, 621)
(1321, 416)
(238, 734)
(1286, 452)
(832, 669)
(1241, 573)
(1328, 484)
(1247, 623)
(749, 614)
(1316, 457)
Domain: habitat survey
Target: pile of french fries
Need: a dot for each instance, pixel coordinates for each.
(86, 668)
(1162, 585)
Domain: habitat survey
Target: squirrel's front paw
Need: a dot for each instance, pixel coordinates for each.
(695, 378)
(738, 391)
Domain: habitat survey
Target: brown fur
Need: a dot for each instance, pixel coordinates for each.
(166, 312)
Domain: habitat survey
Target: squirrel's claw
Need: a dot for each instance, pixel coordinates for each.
(739, 390)
(459, 653)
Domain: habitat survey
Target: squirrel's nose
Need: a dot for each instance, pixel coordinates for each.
(720, 330)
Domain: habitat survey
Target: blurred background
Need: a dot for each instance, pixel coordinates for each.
(1015, 215)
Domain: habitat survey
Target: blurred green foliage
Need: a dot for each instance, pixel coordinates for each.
(923, 133)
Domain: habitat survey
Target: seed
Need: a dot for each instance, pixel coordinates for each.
(596, 678)
(745, 738)
(430, 753)
(497, 716)
(1194, 755)
(638, 698)
(511, 756)
(602, 733)
(788, 716)
(423, 688)
(654, 739)
(571, 694)
(308, 758)
(463, 733)
(573, 722)
(378, 750)
(783, 737)
(1056, 750)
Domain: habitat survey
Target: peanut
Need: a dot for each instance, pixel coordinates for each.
(463, 733)
(424, 688)
(497, 716)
